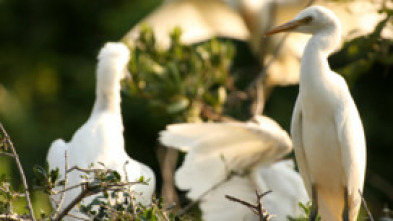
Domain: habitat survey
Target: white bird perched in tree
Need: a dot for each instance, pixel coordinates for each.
(214, 150)
(100, 139)
(326, 128)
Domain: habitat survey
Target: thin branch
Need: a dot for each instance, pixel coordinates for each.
(60, 203)
(249, 205)
(258, 209)
(7, 154)
(208, 112)
(21, 172)
(68, 188)
(130, 192)
(380, 183)
(13, 217)
(193, 203)
(78, 217)
(229, 175)
(365, 206)
(85, 192)
(82, 169)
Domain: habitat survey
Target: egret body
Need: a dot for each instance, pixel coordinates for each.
(326, 128)
(100, 139)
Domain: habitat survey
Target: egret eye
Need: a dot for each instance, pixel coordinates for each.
(308, 19)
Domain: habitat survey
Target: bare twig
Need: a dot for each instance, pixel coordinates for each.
(68, 188)
(130, 192)
(13, 217)
(60, 203)
(85, 192)
(208, 112)
(78, 217)
(258, 209)
(229, 175)
(21, 172)
(82, 169)
(7, 154)
(249, 205)
(193, 203)
(365, 206)
(380, 183)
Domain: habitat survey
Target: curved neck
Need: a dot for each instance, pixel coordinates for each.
(314, 64)
(325, 40)
(107, 90)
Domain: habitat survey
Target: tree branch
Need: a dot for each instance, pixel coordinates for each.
(258, 209)
(60, 203)
(365, 206)
(21, 172)
(13, 217)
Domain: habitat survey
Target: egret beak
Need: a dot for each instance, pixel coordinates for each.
(288, 26)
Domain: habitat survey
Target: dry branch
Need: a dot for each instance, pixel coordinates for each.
(20, 170)
(258, 209)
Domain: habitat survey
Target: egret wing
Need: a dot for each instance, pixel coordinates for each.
(287, 189)
(353, 147)
(221, 148)
(56, 159)
(56, 156)
(297, 139)
(184, 136)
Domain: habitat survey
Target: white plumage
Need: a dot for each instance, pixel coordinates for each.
(216, 149)
(326, 128)
(101, 139)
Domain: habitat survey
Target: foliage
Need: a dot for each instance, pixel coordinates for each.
(359, 56)
(114, 200)
(306, 209)
(183, 79)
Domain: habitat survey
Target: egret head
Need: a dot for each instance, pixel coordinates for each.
(112, 67)
(113, 59)
(311, 21)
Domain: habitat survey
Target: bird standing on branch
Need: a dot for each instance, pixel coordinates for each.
(100, 139)
(326, 128)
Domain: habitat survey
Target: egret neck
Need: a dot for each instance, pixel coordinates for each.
(319, 47)
(315, 68)
(108, 88)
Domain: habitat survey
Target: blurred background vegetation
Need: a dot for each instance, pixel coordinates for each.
(47, 64)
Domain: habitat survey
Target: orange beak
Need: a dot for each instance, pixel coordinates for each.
(288, 26)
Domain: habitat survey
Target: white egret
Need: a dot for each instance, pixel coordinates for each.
(100, 139)
(326, 128)
(214, 150)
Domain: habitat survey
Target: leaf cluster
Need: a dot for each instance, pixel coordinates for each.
(114, 200)
(306, 209)
(360, 55)
(182, 79)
